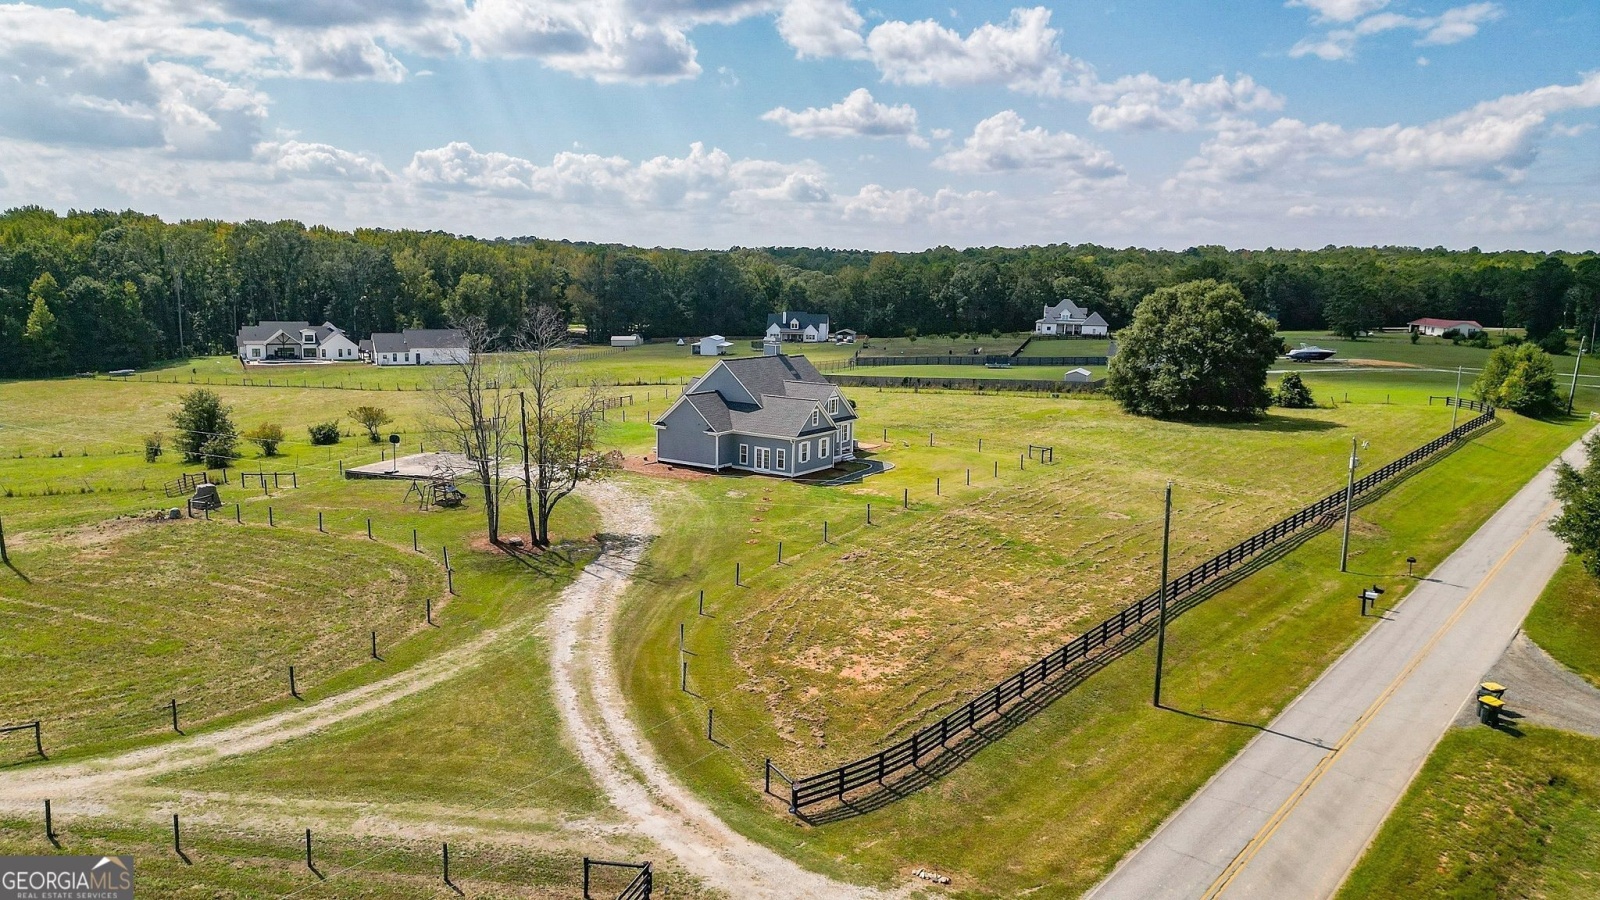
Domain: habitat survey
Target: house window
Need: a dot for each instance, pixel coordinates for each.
(833, 406)
(255, 352)
(783, 462)
(805, 452)
(822, 448)
(744, 454)
(816, 416)
(408, 357)
(763, 457)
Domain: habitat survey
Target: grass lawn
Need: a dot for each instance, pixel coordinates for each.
(659, 363)
(1493, 816)
(854, 644)
(114, 621)
(1566, 620)
(1030, 373)
(266, 858)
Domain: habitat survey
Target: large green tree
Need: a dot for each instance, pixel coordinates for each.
(1579, 522)
(1521, 379)
(1195, 350)
(204, 428)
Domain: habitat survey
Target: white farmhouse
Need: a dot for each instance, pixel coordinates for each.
(1439, 327)
(809, 328)
(295, 341)
(417, 347)
(1069, 318)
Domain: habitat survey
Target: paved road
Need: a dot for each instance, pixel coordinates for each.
(1290, 815)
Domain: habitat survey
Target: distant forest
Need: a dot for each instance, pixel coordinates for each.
(104, 290)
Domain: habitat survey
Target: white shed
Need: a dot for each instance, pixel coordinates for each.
(627, 340)
(1078, 376)
(712, 345)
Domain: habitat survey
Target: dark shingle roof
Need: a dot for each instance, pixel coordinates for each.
(782, 319)
(765, 375)
(779, 416)
(418, 339)
(264, 330)
(711, 405)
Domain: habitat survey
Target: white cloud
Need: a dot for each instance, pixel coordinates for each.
(598, 40)
(1146, 102)
(1340, 10)
(298, 159)
(1496, 139)
(1001, 143)
(1021, 54)
(78, 80)
(702, 178)
(857, 115)
(822, 28)
(1450, 27)
(877, 204)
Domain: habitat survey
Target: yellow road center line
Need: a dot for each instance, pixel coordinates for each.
(1271, 826)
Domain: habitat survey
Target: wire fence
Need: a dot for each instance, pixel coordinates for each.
(836, 783)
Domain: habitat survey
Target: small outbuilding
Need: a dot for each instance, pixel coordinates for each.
(627, 340)
(1079, 375)
(711, 345)
(1439, 327)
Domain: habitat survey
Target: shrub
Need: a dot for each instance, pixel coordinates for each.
(152, 446)
(1521, 379)
(1510, 340)
(204, 428)
(267, 436)
(1415, 337)
(217, 453)
(1554, 343)
(372, 418)
(1293, 393)
(324, 433)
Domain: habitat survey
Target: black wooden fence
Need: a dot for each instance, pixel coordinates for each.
(871, 770)
(971, 360)
(1035, 385)
(1463, 402)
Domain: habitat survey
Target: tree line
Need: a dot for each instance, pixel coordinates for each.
(102, 290)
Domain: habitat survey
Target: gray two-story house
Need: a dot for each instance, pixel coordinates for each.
(775, 415)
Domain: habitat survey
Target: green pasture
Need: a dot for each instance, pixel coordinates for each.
(1493, 814)
(850, 646)
(1566, 620)
(266, 858)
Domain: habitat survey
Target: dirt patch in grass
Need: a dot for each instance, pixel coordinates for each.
(647, 465)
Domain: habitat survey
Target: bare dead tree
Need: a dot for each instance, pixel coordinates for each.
(558, 422)
(472, 408)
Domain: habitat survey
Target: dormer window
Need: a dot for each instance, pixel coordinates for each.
(816, 416)
(309, 337)
(833, 406)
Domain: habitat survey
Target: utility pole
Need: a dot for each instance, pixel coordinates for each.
(1573, 392)
(1349, 497)
(1457, 413)
(1161, 615)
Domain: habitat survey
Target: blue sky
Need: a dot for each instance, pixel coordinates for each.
(887, 125)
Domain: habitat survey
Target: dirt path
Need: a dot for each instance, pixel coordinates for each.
(616, 754)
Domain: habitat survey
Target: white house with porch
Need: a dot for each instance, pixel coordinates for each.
(416, 347)
(809, 328)
(1068, 318)
(295, 342)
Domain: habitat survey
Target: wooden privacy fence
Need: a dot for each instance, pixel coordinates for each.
(834, 784)
(968, 359)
